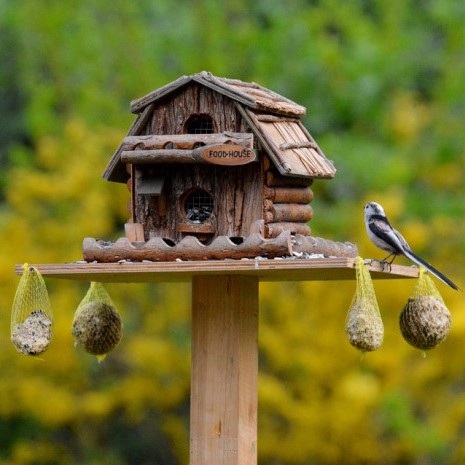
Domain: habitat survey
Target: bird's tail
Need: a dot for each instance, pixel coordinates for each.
(409, 254)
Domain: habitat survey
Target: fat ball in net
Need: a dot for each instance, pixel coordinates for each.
(364, 326)
(97, 326)
(425, 320)
(31, 315)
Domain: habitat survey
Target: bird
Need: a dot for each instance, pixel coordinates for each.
(385, 237)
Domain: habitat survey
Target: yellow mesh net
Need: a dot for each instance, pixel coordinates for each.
(96, 293)
(425, 320)
(364, 326)
(31, 315)
(425, 286)
(97, 326)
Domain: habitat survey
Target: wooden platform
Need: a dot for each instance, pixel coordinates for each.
(317, 269)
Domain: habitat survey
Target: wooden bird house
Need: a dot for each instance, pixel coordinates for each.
(216, 168)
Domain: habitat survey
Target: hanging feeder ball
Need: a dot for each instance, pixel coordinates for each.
(425, 322)
(97, 327)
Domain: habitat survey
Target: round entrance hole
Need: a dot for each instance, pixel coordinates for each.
(198, 206)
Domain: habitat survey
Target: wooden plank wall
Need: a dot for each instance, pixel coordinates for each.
(237, 200)
(236, 190)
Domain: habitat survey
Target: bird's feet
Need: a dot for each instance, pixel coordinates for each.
(384, 264)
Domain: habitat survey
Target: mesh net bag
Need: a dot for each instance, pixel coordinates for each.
(425, 320)
(31, 315)
(97, 326)
(364, 326)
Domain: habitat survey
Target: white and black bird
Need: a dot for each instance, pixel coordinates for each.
(384, 236)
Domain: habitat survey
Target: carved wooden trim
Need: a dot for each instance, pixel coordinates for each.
(189, 248)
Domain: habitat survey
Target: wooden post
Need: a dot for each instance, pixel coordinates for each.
(223, 423)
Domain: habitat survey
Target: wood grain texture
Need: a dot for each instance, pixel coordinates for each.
(237, 194)
(275, 229)
(134, 232)
(158, 249)
(300, 155)
(223, 420)
(170, 116)
(237, 199)
(247, 93)
(115, 170)
(288, 212)
(274, 179)
(163, 156)
(303, 243)
(302, 195)
(198, 155)
(186, 141)
(315, 269)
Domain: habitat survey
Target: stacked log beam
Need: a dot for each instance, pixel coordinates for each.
(286, 204)
(185, 141)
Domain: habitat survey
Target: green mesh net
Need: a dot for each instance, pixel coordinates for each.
(31, 315)
(425, 320)
(97, 326)
(364, 326)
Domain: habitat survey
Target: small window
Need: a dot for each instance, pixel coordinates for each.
(198, 206)
(199, 124)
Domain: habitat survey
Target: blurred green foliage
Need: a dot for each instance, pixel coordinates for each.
(383, 85)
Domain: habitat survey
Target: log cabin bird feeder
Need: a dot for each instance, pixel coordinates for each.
(217, 168)
(219, 173)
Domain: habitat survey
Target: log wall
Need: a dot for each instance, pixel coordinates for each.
(285, 202)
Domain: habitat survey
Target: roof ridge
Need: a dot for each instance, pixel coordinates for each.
(250, 94)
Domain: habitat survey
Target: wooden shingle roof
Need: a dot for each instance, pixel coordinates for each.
(249, 94)
(289, 145)
(273, 119)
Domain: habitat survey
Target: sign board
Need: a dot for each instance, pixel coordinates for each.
(229, 155)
